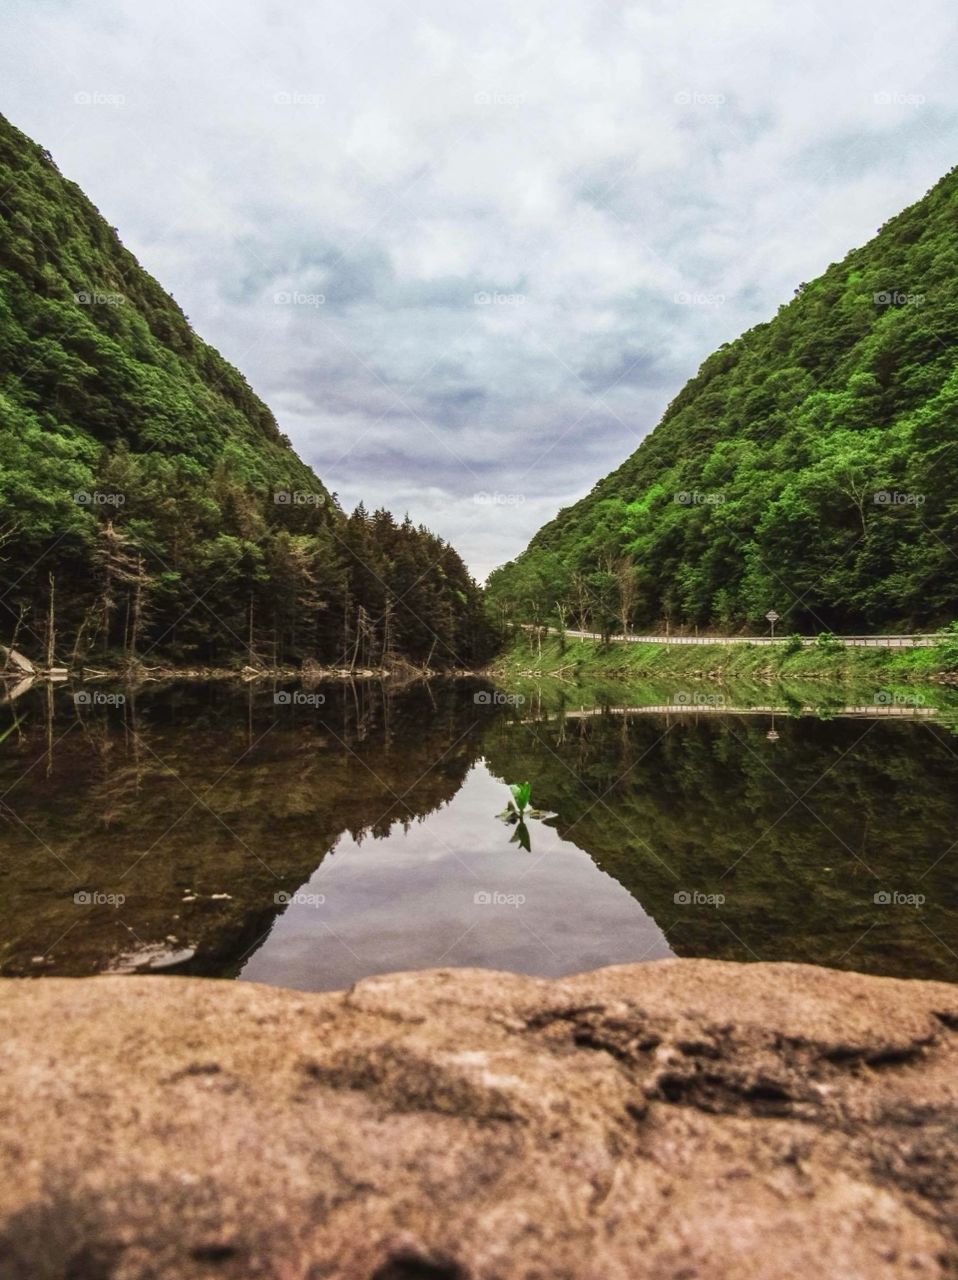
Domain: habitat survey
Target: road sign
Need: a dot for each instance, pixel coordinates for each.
(772, 616)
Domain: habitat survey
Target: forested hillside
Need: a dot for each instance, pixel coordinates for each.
(147, 489)
(810, 467)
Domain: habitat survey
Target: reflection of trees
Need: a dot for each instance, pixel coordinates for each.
(210, 790)
(799, 834)
(219, 791)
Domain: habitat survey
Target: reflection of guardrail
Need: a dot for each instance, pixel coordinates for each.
(10, 690)
(923, 640)
(866, 711)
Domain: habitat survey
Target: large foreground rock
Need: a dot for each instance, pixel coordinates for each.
(681, 1119)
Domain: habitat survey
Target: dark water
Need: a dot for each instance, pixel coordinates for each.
(310, 841)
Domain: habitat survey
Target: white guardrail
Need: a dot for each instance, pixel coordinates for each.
(922, 641)
(865, 711)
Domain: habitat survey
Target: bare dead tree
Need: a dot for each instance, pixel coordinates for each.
(628, 590)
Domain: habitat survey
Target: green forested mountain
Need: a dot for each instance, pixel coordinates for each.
(810, 466)
(147, 487)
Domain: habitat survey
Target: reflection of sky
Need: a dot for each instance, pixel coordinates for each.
(622, 187)
(409, 902)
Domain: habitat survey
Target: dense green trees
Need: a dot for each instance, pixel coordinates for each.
(809, 466)
(139, 469)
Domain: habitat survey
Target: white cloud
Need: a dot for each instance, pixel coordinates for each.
(583, 165)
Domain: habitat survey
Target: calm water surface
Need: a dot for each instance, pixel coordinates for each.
(308, 838)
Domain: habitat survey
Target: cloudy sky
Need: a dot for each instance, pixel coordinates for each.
(469, 252)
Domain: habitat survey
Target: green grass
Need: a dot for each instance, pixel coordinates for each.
(587, 661)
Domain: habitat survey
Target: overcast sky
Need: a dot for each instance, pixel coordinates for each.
(468, 252)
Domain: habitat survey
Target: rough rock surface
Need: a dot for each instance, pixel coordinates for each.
(685, 1119)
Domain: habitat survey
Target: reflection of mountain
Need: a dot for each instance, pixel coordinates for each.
(203, 791)
(182, 795)
(798, 834)
(454, 890)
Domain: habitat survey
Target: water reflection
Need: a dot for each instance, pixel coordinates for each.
(451, 891)
(826, 841)
(199, 807)
(216, 830)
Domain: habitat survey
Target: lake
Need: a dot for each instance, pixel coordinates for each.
(308, 837)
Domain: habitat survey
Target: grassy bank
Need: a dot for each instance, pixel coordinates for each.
(589, 660)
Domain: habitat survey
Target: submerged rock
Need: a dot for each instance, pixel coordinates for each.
(686, 1118)
(152, 958)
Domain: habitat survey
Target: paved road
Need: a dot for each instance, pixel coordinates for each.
(922, 641)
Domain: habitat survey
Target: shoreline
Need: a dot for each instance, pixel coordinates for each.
(573, 660)
(13, 683)
(570, 660)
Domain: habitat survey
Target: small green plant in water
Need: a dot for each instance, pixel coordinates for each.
(521, 793)
(521, 836)
(515, 814)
